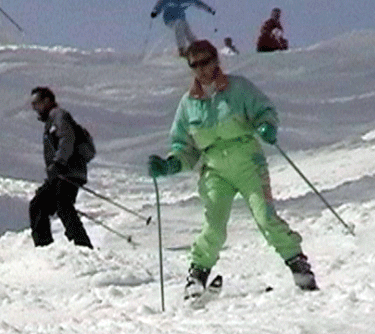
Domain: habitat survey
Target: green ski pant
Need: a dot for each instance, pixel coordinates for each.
(229, 169)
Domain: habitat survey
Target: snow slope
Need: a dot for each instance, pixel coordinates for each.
(325, 96)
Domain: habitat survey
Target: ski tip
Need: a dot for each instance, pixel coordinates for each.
(268, 288)
(218, 280)
(216, 283)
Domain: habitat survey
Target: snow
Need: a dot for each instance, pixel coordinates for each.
(325, 97)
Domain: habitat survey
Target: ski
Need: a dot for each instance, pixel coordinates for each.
(211, 293)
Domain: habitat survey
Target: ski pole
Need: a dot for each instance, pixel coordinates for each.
(160, 244)
(128, 238)
(147, 219)
(349, 228)
(11, 20)
(214, 21)
(108, 200)
(145, 44)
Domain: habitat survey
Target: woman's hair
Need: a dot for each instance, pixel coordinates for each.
(201, 46)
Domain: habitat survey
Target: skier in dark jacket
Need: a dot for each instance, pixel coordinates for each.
(175, 18)
(271, 34)
(63, 166)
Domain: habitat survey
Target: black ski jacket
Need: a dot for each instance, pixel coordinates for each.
(59, 144)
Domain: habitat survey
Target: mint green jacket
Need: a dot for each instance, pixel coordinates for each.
(236, 111)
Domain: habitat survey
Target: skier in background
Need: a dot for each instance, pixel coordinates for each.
(271, 34)
(217, 122)
(229, 49)
(175, 18)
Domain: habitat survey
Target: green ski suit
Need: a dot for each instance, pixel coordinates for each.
(220, 132)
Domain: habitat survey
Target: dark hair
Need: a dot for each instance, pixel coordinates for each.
(277, 10)
(44, 92)
(201, 46)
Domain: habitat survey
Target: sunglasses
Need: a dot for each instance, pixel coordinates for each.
(201, 63)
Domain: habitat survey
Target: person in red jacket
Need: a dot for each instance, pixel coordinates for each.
(271, 34)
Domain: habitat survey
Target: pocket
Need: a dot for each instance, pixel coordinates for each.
(202, 170)
(195, 121)
(194, 125)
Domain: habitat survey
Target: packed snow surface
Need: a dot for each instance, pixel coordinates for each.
(325, 97)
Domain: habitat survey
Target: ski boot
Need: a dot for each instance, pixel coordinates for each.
(302, 274)
(196, 282)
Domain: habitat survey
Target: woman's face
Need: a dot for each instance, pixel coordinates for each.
(204, 66)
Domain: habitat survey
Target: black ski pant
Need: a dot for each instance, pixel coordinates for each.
(58, 197)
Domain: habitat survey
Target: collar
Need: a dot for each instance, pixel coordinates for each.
(220, 82)
(45, 115)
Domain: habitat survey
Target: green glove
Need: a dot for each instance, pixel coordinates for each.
(158, 166)
(268, 133)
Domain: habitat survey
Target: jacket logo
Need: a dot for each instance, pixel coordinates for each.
(52, 129)
(224, 110)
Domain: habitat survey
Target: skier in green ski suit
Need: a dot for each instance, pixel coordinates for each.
(217, 122)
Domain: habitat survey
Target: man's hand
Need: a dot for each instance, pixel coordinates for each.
(54, 170)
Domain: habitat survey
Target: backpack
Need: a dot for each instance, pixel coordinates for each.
(84, 143)
(85, 147)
